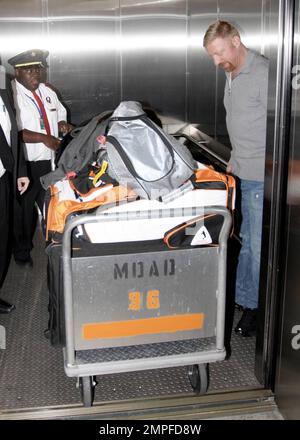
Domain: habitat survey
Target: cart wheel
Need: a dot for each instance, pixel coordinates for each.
(87, 388)
(198, 378)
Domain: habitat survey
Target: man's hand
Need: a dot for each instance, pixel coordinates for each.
(64, 127)
(34, 137)
(51, 142)
(22, 184)
(229, 169)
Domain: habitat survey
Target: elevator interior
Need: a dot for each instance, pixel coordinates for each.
(100, 54)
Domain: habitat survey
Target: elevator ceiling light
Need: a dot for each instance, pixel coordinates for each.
(98, 43)
(77, 43)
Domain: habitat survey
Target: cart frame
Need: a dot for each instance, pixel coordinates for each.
(87, 370)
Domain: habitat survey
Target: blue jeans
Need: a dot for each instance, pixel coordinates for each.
(247, 280)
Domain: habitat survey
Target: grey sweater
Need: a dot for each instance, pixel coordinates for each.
(245, 100)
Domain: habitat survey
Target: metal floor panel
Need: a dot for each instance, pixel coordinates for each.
(31, 370)
(146, 351)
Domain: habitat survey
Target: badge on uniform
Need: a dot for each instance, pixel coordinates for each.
(42, 124)
(48, 99)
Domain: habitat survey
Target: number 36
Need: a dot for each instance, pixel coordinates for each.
(135, 300)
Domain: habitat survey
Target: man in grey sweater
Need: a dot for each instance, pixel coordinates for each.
(245, 100)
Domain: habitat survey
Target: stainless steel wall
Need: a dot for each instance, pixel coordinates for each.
(85, 57)
(265, 341)
(288, 372)
(201, 75)
(156, 72)
(105, 51)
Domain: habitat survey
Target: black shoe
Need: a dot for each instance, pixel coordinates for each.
(25, 263)
(5, 307)
(247, 324)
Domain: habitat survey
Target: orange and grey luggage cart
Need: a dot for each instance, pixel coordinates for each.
(137, 308)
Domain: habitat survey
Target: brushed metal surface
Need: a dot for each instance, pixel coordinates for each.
(101, 294)
(201, 84)
(288, 383)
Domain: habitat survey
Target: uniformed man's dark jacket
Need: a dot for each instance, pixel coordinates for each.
(12, 156)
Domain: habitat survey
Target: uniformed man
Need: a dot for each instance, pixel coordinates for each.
(12, 173)
(41, 118)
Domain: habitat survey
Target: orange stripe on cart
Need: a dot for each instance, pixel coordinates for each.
(148, 326)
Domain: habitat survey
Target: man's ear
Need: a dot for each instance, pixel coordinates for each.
(17, 73)
(236, 41)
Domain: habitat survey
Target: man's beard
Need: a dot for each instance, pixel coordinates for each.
(228, 67)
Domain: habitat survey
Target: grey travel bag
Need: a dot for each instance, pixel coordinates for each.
(142, 156)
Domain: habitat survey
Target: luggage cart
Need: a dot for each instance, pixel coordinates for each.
(143, 309)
